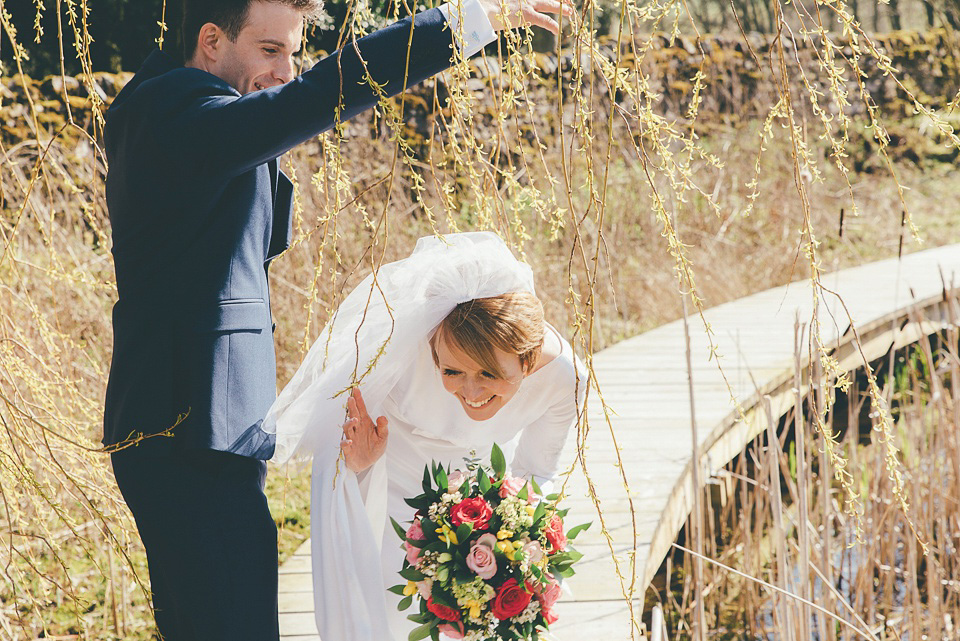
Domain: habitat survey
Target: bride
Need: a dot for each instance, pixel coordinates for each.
(448, 348)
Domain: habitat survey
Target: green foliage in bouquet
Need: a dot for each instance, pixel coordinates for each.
(485, 555)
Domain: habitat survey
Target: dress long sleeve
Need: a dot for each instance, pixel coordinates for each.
(538, 451)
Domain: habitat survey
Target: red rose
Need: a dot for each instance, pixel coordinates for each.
(476, 512)
(555, 535)
(511, 600)
(442, 611)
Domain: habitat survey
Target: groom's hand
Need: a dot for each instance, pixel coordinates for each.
(510, 14)
(363, 440)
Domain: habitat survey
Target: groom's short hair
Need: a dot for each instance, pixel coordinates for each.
(231, 16)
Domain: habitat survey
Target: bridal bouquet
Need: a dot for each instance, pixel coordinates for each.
(483, 555)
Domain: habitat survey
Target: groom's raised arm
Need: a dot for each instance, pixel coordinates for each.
(229, 134)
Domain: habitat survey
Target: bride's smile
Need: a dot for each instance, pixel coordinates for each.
(481, 393)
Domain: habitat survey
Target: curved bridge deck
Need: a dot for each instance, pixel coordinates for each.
(644, 383)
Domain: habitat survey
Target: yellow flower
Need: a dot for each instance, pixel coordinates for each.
(504, 534)
(531, 510)
(474, 609)
(411, 589)
(505, 546)
(447, 535)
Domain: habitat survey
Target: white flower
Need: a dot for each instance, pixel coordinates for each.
(529, 613)
(515, 514)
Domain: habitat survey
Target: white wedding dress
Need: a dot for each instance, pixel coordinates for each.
(428, 424)
(356, 553)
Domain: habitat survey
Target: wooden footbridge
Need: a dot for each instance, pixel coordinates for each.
(644, 381)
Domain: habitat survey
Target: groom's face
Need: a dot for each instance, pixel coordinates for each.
(263, 54)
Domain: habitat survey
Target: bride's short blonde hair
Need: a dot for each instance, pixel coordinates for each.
(512, 322)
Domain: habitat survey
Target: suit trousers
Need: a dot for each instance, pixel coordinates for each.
(210, 540)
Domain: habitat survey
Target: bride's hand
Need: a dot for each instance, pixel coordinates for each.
(363, 440)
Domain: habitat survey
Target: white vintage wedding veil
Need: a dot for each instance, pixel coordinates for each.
(373, 339)
(380, 326)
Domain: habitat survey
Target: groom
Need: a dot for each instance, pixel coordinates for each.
(198, 210)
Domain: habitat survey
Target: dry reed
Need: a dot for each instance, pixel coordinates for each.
(881, 588)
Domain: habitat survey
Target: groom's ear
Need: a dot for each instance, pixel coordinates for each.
(210, 41)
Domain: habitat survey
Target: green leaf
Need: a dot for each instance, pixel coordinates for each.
(421, 617)
(397, 589)
(574, 531)
(405, 603)
(498, 462)
(552, 498)
(440, 596)
(420, 632)
(399, 529)
(567, 573)
(463, 531)
(540, 512)
(483, 481)
(434, 634)
(427, 480)
(411, 574)
(536, 488)
(441, 476)
(523, 494)
(420, 503)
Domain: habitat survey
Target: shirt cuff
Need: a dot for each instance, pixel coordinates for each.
(467, 18)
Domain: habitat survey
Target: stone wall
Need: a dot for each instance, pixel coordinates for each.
(737, 86)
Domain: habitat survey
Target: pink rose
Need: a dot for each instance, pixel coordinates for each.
(555, 536)
(456, 479)
(550, 593)
(476, 511)
(548, 615)
(511, 486)
(481, 558)
(414, 533)
(425, 588)
(533, 551)
(454, 630)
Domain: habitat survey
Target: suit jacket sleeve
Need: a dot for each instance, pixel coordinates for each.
(234, 133)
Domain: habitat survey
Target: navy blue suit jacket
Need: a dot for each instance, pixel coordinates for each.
(198, 210)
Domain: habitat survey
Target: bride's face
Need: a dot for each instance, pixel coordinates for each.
(480, 393)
